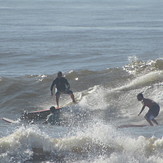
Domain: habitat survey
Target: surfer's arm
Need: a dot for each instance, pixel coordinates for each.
(46, 121)
(51, 88)
(141, 110)
(67, 84)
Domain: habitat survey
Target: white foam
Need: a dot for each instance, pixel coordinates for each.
(98, 141)
(95, 99)
(145, 80)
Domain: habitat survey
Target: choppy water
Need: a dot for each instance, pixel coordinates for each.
(109, 51)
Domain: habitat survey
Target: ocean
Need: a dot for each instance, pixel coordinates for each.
(109, 50)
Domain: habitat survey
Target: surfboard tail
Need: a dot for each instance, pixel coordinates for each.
(132, 125)
(9, 120)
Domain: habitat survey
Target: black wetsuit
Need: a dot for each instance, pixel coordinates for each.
(54, 118)
(62, 85)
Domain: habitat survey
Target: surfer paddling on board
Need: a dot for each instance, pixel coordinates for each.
(62, 86)
(153, 111)
(53, 117)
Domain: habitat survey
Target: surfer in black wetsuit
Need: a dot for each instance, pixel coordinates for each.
(54, 117)
(154, 109)
(62, 86)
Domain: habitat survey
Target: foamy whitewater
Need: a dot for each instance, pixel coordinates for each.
(109, 50)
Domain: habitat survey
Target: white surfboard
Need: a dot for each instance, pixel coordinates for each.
(9, 120)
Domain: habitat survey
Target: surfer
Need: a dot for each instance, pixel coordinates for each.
(153, 111)
(53, 117)
(62, 86)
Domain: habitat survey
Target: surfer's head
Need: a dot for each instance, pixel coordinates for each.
(59, 74)
(140, 96)
(52, 109)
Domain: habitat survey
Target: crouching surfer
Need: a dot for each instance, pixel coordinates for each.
(54, 117)
(153, 111)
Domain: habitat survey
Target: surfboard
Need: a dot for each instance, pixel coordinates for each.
(9, 120)
(39, 114)
(42, 114)
(132, 125)
(35, 115)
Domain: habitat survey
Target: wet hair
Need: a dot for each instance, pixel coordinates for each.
(140, 96)
(59, 73)
(52, 109)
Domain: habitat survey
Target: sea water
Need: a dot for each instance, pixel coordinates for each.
(109, 50)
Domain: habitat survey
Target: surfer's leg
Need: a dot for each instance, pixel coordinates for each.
(73, 98)
(57, 98)
(149, 122)
(155, 111)
(155, 121)
(148, 119)
(72, 95)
